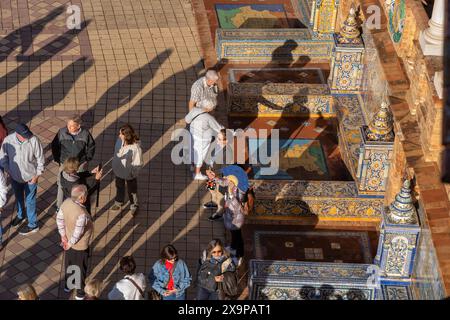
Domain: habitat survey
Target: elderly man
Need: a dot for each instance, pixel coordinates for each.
(72, 141)
(204, 88)
(75, 227)
(203, 127)
(22, 157)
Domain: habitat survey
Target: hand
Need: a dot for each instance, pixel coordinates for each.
(66, 246)
(64, 239)
(219, 278)
(99, 175)
(95, 170)
(169, 292)
(34, 180)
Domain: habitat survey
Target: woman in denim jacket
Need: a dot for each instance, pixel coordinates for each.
(170, 276)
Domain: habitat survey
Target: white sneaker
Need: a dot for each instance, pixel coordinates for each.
(200, 176)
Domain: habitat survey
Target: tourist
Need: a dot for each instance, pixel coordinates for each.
(132, 286)
(234, 213)
(203, 127)
(27, 292)
(70, 176)
(215, 262)
(126, 163)
(204, 88)
(72, 141)
(3, 131)
(93, 289)
(3, 200)
(170, 276)
(22, 157)
(75, 227)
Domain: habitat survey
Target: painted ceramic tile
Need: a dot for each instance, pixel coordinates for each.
(235, 16)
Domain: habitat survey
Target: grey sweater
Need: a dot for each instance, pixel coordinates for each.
(23, 160)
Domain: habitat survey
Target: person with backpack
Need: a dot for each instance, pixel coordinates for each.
(169, 275)
(215, 267)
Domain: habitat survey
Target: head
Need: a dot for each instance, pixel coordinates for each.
(23, 133)
(212, 77)
(207, 104)
(93, 288)
(216, 249)
(169, 253)
(71, 165)
(74, 124)
(127, 134)
(127, 265)
(27, 292)
(79, 193)
(233, 181)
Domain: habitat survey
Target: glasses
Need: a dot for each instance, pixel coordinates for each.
(214, 252)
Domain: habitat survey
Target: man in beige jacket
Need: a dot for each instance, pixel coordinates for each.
(75, 227)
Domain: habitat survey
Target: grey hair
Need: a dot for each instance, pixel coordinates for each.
(212, 75)
(76, 118)
(208, 104)
(78, 191)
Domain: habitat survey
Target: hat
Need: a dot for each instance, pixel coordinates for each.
(24, 131)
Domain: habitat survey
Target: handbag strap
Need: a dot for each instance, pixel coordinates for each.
(196, 117)
(137, 286)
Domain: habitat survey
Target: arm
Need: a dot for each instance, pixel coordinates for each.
(3, 190)
(214, 125)
(186, 278)
(79, 229)
(61, 224)
(39, 154)
(154, 282)
(192, 104)
(90, 147)
(137, 162)
(56, 149)
(4, 160)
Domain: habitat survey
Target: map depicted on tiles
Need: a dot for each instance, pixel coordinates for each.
(299, 159)
(253, 16)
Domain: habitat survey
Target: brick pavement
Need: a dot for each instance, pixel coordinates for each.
(133, 61)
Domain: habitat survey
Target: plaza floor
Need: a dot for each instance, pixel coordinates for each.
(132, 61)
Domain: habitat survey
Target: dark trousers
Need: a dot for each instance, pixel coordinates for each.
(131, 186)
(72, 277)
(237, 242)
(203, 294)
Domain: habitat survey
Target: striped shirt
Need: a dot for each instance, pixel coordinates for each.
(79, 226)
(201, 91)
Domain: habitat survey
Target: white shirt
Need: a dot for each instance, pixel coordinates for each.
(204, 127)
(126, 290)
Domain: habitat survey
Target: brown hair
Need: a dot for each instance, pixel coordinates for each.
(214, 243)
(130, 135)
(168, 253)
(71, 165)
(127, 265)
(27, 292)
(76, 118)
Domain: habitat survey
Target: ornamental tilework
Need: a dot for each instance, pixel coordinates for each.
(324, 13)
(396, 292)
(287, 280)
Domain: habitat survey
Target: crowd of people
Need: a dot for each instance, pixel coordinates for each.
(73, 149)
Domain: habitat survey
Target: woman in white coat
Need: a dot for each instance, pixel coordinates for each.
(203, 127)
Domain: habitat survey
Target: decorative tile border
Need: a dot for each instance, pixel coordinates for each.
(397, 292)
(233, 71)
(364, 242)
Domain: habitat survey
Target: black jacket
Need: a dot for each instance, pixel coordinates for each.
(67, 182)
(65, 145)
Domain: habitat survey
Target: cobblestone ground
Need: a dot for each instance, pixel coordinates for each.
(132, 61)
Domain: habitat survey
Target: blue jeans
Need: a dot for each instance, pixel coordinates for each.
(174, 297)
(204, 294)
(30, 191)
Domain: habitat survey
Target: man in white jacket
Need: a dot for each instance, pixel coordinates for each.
(132, 286)
(203, 128)
(3, 198)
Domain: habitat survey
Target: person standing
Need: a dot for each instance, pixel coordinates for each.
(170, 276)
(203, 127)
(3, 199)
(75, 227)
(205, 88)
(72, 141)
(132, 286)
(22, 157)
(3, 131)
(126, 163)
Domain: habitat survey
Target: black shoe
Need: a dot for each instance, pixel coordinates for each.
(210, 205)
(27, 230)
(17, 222)
(215, 217)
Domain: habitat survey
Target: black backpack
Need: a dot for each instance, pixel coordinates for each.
(206, 274)
(229, 286)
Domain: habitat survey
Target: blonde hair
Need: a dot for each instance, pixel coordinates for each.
(27, 292)
(71, 165)
(93, 288)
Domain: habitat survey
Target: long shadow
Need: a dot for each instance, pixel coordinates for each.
(65, 80)
(38, 58)
(24, 35)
